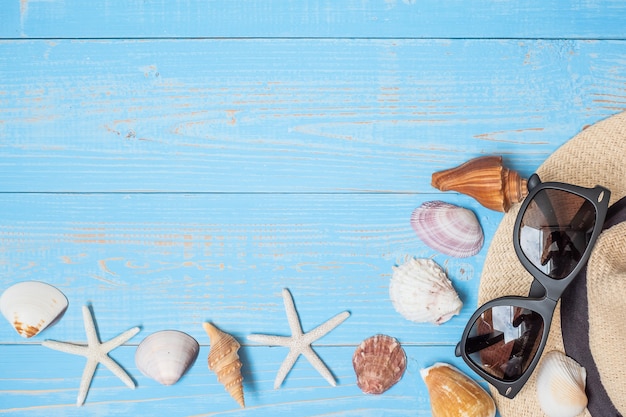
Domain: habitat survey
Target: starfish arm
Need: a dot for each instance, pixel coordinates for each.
(66, 347)
(299, 342)
(90, 327)
(118, 371)
(326, 327)
(317, 363)
(288, 363)
(270, 340)
(120, 339)
(292, 314)
(85, 381)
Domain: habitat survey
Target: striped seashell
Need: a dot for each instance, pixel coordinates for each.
(449, 229)
(485, 179)
(379, 362)
(224, 361)
(561, 385)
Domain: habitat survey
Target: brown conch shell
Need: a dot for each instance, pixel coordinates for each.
(486, 180)
(224, 361)
(379, 362)
(454, 394)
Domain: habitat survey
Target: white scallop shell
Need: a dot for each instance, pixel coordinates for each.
(166, 355)
(420, 291)
(561, 385)
(449, 229)
(31, 306)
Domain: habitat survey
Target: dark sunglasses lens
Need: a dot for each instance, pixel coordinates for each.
(555, 231)
(504, 340)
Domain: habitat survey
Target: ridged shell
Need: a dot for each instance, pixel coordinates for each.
(449, 229)
(166, 356)
(486, 180)
(420, 290)
(561, 385)
(224, 361)
(454, 394)
(31, 306)
(379, 362)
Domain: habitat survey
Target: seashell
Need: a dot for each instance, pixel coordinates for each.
(486, 180)
(454, 394)
(379, 362)
(561, 385)
(166, 356)
(447, 228)
(224, 361)
(420, 290)
(31, 306)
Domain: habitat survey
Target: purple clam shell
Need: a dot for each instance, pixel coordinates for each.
(449, 229)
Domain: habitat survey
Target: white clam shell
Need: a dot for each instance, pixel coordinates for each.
(561, 385)
(420, 291)
(166, 355)
(31, 306)
(449, 229)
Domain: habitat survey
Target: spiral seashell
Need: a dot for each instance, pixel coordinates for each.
(224, 361)
(561, 385)
(166, 356)
(449, 229)
(31, 306)
(379, 362)
(454, 394)
(486, 180)
(421, 292)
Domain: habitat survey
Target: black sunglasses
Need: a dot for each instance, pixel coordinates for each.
(554, 234)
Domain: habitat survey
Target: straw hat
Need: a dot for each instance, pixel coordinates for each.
(595, 156)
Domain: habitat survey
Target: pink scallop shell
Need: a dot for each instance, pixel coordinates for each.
(379, 362)
(449, 229)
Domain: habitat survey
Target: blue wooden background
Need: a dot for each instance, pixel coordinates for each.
(174, 162)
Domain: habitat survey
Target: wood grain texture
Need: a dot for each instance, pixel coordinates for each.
(47, 383)
(289, 115)
(163, 261)
(174, 261)
(174, 162)
(308, 18)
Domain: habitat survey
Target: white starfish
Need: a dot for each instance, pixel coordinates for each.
(299, 343)
(95, 352)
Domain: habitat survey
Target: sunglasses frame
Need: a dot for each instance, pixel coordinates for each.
(545, 291)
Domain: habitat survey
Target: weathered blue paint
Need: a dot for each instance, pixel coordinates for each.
(313, 19)
(175, 162)
(289, 115)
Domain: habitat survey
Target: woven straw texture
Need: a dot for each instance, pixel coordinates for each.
(597, 155)
(606, 281)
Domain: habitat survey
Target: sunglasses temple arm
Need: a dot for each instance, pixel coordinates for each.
(536, 290)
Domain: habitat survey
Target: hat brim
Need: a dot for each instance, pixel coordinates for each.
(595, 156)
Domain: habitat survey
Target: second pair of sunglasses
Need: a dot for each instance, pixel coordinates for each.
(554, 233)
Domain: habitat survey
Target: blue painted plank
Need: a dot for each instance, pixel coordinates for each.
(321, 18)
(47, 383)
(290, 115)
(173, 261)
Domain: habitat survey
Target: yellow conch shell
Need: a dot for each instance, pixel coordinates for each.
(224, 361)
(454, 394)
